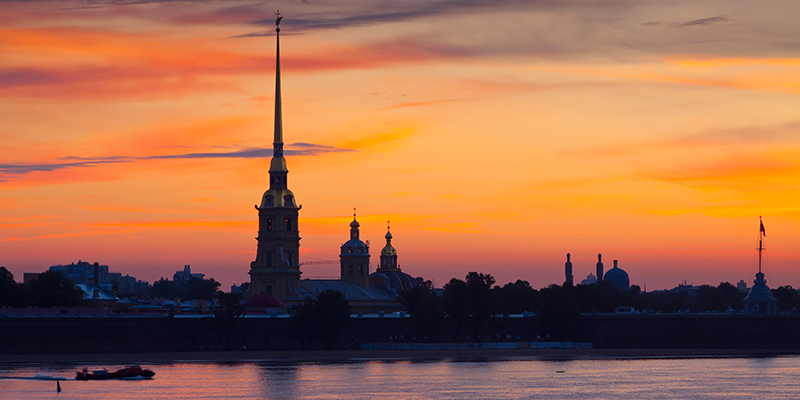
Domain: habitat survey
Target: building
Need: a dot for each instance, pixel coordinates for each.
(389, 278)
(354, 258)
(590, 279)
(760, 299)
(618, 277)
(599, 268)
(181, 277)
(276, 269)
(568, 271)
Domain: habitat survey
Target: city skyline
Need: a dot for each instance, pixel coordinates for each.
(496, 139)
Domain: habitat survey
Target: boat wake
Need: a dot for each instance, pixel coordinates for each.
(39, 377)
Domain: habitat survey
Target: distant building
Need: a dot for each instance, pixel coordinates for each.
(568, 271)
(618, 277)
(181, 277)
(599, 268)
(685, 287)
(589, 280)
(85, 273)
(742, 286)
(389, 277)
(760, 299)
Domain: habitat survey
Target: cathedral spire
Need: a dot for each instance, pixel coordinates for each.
(277, 150)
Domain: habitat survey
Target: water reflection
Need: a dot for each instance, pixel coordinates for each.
(279, 382)
(387, 380)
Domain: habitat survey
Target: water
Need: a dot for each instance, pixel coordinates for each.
(773, 378)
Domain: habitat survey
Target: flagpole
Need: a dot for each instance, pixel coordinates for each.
(760, 238)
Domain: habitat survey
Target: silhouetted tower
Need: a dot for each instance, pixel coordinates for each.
(354, 258)
(760, 300)
(276, 270)
(388, 255)
(599, 268)
(568, 271)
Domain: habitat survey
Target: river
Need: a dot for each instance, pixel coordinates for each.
(695, 378)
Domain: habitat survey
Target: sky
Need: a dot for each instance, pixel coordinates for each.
(496, 136)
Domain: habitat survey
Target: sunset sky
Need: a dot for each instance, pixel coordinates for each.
(497, 136)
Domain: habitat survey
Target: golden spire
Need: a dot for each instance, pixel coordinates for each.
(278, 163)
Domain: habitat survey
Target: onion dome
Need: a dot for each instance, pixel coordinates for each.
(388, 250)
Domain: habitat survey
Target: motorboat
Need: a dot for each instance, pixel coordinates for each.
(131, 371)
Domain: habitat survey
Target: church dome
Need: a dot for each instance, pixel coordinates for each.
(388, 250)
(392, 282)
(354, 224)
(618, 277)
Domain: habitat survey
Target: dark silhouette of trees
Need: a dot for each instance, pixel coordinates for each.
(322, 318)
(425, 308)
(332, 314)
(52, 289)
(301, 322)
(515, 298)
(558, 313)
(469, 301)
(165, 289)
(200, 289)
(227, 314)
(8, 288)
(787, 297)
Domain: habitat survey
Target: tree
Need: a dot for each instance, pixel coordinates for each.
(8, 287)
(332, 315)
(301, 322)
(165, 289)
(515, 298)
(197, 289)
(558, 313)
(788, 300)
(227, 314)
(323, 318)
(455, 302)
(53, 289)
(425, 309)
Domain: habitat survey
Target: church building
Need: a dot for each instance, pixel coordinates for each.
(276, 269)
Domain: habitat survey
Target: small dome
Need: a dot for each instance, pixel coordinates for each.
(388, 250)
(388, 235)
(619, 278)
(262, 300)
(355, 223)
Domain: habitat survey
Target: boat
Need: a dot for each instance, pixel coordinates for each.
(131, 371)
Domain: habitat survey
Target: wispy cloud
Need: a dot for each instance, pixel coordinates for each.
(294, 149)
(703, 21)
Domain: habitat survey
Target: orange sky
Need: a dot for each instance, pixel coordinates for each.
(496, 137)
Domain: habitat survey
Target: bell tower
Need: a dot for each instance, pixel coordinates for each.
(354, 258)
(276, 270)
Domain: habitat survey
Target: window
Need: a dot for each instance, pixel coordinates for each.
(269, 224)
(361, 270)
(288, 224)
(349, 250)
(268, 290)
(269, 258)
(289, 258)
(350, 270)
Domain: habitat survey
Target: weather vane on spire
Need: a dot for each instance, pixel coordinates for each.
(278, 19)
(354, 212)
(388, 223)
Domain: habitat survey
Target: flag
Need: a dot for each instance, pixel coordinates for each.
(762, 228)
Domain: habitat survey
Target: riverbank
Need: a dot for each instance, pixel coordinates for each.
(345, 356)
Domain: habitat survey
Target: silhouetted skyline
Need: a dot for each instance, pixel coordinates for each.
(496, 138)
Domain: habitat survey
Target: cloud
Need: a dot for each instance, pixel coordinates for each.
(294, 149)
(703, 21)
